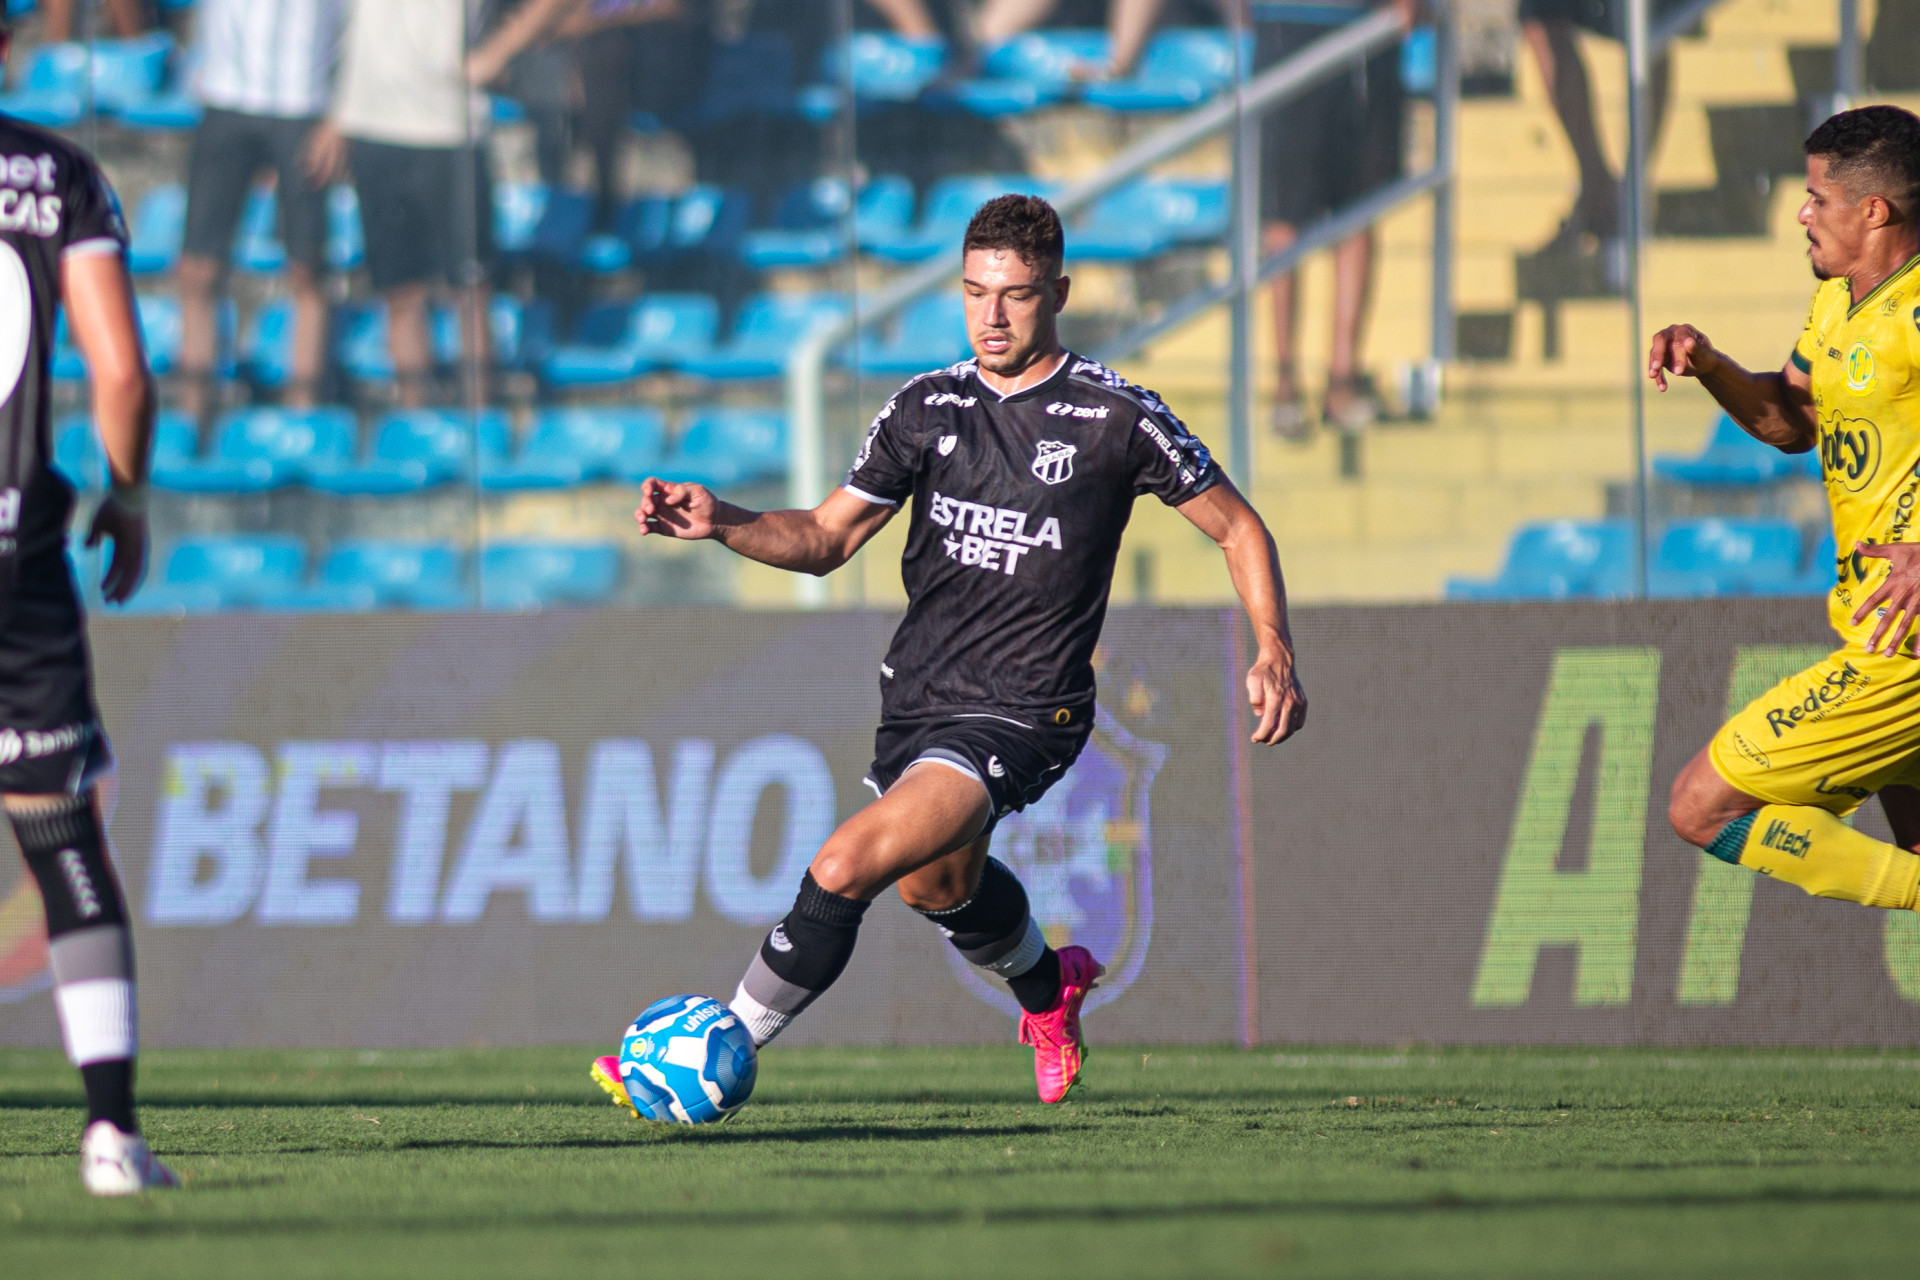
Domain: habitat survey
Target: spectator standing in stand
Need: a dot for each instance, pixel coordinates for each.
(125, 17)
(1333, 145)
(413, 129)
(266, 79)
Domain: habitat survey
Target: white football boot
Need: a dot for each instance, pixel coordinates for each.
(113, 1163)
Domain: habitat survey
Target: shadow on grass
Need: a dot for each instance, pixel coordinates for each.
(254, 1227)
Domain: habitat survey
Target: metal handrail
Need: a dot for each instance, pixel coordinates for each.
(806, 363)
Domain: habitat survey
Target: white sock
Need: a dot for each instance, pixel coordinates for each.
(763, 1023)
(96, 1019)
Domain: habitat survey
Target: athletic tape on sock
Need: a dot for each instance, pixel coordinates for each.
(1024, 954)
(96, 1020)
(762, 1023)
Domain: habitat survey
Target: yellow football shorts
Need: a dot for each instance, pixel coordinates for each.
(1829, 736)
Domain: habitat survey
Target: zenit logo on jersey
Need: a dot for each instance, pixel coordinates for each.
(1061, 409)
(939, 398)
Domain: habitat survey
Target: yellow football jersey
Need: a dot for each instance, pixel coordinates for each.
(1866, 391)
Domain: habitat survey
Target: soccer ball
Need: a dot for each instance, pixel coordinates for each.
(688, 1059)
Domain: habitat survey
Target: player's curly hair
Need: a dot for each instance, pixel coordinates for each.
(1026, 225)
(1872, 151)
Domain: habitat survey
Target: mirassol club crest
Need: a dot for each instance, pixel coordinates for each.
(1053, 461)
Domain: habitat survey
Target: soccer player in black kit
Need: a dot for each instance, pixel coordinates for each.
(62, 240)
(1022, 465)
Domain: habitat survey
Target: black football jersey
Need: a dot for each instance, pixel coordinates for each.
(54, 201)
(1018, 508)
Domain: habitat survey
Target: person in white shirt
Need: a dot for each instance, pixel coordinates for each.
(413, 124)
(266, 79)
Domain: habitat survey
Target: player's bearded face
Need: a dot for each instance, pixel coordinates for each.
(1011, 307)
(1836, 223)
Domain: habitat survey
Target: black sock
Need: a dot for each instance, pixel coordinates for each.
(803, 956)
(995, 931)
(1038, 989)
(110, 1093)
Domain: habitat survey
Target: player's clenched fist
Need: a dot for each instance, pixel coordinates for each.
(1679, 349)
(675, 510)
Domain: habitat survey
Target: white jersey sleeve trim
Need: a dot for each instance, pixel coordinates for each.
(864, 496)
(99, 246)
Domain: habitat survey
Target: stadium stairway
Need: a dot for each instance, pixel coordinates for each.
(1537, 417)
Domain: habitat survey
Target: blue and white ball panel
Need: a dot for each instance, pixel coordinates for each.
(688, 1060)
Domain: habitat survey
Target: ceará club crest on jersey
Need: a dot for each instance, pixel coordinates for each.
(1053, 461)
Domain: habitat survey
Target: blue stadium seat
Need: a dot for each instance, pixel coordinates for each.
(1031, 71)
(77, 453)
(159, 330)
(1732, 457)
(346, 237)
(723, 447)
(659, 330)
(51, 89)
(1559, 560)
(1181, 67)
(768, 326)
(414, 449)
(709, 220)
(266, 349)
(883, 67)
(419, 575)
(810, 226)
(239, 567)
(173, 108)
(1147, 218)
(360, 336)
(1820, 573)
(517, 210)
(571, 446)
(176, 446)
(748, 76)
(930, 335)
(159, 227)
(1716, 557)
(128, 73)
(534, 575)
(259, 449)
(949, 206)
(566, 218)
(256, 242)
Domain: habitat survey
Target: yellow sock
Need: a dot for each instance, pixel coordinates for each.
(1823, 855)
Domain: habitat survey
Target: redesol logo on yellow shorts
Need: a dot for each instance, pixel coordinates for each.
(1859, 368)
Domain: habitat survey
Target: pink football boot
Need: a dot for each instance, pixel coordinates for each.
(1055, 1034)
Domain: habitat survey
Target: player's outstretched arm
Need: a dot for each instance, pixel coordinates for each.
(1776, 408)
(817, 541)
(98, 295)
(1273, 686)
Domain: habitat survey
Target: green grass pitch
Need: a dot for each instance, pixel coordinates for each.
(929, 1162)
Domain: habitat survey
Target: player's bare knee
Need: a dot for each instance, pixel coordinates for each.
(935, 889)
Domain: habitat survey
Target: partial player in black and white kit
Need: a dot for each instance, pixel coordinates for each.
(62, 240)
(1021, 467)
(1019, 504)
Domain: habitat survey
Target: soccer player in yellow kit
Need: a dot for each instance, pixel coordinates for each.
(1770, 791)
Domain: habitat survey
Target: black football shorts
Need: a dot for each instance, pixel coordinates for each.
(1014, 760)
(51, 742)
